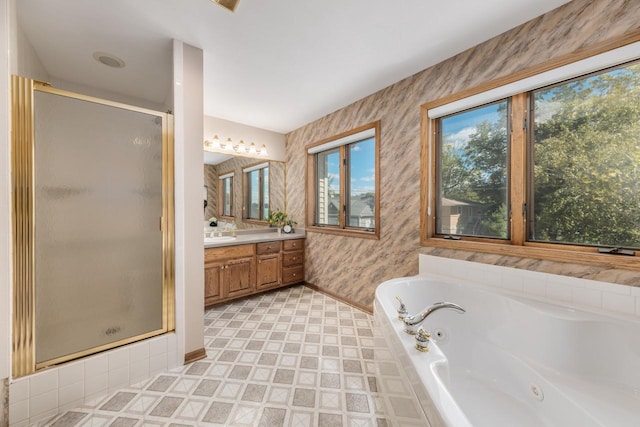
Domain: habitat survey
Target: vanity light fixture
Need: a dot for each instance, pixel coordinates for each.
(230, 5)
(216, 146)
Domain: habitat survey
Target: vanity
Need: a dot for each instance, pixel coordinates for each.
(242, 255)
(250, 264)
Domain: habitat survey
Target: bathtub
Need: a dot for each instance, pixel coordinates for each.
(510, 360)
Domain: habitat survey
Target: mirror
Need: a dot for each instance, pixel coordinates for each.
(217, 203)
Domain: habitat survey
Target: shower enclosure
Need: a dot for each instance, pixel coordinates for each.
(92, 224)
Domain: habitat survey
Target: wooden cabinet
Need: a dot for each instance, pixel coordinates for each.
(269, 269)
(229, 272)
(235, 271)
(212, 282)
(293, 261)
(239, 277)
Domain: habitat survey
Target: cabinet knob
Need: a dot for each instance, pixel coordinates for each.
(294, 258)
(294, 274)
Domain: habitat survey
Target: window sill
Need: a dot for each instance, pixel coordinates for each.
(541, 251)
(372, 235)
(255, 221)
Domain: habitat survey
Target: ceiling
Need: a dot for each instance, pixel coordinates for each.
(273, 64)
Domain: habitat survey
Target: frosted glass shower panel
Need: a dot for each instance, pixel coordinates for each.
(98, 243)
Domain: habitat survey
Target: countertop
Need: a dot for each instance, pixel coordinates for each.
(258, 237)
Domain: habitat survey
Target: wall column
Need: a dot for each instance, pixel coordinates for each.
(189, 178)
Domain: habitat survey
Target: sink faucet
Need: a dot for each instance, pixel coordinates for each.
(411, 323)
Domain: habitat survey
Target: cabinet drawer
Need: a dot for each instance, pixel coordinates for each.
(268, 248)
(294, 245)
(293, 275)
(226, 252)
(293, 259)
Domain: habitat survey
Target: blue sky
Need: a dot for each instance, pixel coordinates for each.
(362, 168)
(457, 128)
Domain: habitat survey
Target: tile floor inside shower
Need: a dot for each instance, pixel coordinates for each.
(292, 357)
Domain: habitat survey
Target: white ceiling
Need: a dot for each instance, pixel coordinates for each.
(273, 64)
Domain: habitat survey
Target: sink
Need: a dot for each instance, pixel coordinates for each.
(219, 239)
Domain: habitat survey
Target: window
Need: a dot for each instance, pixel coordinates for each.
(548, 164)
(472, 172)
(328, 205)
(343, 193)
(226, 194)
(585, 160)
(256, 180)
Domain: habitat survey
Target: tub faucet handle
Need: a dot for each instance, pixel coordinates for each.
(422, 340)
(402, 310)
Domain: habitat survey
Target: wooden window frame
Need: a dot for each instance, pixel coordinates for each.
(342, 229)
(518, 180)
(246, 197)
(221, 197)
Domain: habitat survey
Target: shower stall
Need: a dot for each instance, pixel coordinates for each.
(93, 225)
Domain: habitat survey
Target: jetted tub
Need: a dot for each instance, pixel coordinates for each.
(509, 360)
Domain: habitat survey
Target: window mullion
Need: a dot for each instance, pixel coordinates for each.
(517, 168)
(343, 187)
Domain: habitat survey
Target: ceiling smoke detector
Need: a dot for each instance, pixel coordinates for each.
(108, 59)
(230, 5)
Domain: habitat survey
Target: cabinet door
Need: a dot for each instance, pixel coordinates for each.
(212, 282)
(239, 277)
(269, 271)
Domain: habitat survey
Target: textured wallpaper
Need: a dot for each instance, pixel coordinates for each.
(353, 267)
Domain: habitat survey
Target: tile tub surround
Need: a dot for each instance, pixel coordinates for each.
(576, 25)
(4, 399)
(292, 357)
(615, 298)
(39, 396)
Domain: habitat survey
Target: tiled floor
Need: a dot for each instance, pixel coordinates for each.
(293, 357)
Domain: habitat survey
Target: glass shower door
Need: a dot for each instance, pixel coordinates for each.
(98, 238)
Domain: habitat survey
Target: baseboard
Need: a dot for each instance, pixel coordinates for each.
(195, 355)
(361, 307)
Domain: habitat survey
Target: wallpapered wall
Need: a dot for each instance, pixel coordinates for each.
(352, 267)
(236, 164)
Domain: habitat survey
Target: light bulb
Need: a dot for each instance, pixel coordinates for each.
(229, 145)
(263, 150)
(252, 148)
(216, 142)
(240, 147)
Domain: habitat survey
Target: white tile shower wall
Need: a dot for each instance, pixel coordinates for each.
(619, 299)
(36, 397)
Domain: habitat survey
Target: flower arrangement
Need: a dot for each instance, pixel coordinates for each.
(278, 218)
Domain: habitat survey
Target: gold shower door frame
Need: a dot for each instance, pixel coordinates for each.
(23, 221)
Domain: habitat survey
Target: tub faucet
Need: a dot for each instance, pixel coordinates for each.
(402, 310)
(411, 323)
